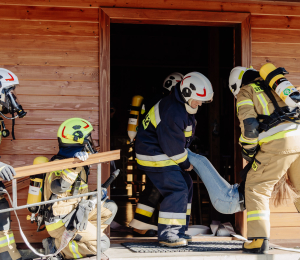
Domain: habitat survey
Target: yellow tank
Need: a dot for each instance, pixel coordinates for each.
(133, 120)
(36, 186)
(283, 88)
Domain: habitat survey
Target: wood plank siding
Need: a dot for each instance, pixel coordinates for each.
(53, 47)
(55, 54)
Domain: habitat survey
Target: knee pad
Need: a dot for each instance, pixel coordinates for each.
(4, 217)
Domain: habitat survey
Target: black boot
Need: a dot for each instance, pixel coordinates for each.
(179, 242)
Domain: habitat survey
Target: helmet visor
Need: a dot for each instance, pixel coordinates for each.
(89, 144)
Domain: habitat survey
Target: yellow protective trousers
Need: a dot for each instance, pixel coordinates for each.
(85, 242)
(261, 179)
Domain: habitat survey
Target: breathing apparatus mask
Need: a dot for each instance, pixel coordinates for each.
(9, 103)
(89, 145)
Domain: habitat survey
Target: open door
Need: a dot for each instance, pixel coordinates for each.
(242, 56)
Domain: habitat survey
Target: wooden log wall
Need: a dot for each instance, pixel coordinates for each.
(53, 47)
(54, 52)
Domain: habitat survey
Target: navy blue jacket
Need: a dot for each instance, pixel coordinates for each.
(164, 134)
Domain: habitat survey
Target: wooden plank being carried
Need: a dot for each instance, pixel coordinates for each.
(66, 163)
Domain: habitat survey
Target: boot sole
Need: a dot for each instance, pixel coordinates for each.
(176, 244)
(255, 250)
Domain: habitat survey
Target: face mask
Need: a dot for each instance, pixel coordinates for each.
(9, 103)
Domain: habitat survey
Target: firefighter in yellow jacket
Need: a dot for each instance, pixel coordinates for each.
(74, 137)
(270, 140)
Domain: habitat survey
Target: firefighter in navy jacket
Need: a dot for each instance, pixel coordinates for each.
(161, 152)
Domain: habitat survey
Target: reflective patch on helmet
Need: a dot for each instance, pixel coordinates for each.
(241, 74)
(75, 127)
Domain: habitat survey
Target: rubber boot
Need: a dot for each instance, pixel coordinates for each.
(49, 246)
(257, 246)
(144, 233)
(180, 242)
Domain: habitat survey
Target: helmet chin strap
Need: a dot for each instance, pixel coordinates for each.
(189, 109)
(10, 118)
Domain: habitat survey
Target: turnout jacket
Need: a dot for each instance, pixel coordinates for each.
(253, 101)
(164, 135)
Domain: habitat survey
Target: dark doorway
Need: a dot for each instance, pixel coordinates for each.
(141, 57)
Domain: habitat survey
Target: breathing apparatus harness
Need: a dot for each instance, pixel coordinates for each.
(280, 114)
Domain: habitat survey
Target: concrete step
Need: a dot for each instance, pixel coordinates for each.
(119, 252)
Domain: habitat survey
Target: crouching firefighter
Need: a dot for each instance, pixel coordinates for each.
(8, 104)
(268, 110)
(74, 137)
(161, 152)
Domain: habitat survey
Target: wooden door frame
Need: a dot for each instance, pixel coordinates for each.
(107, 15)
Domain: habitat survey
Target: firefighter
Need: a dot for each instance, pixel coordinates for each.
(74, 137)
(160, 146)
(8, 104)
(270, 142)
(150, 196)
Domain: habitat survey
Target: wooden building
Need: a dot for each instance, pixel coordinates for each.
(61, 51)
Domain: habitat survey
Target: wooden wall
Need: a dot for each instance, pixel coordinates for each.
(54, 53)
(52, 46)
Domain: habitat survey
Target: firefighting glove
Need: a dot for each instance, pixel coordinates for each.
(81, 156)
(78, 218)
(7, 172)
(248, 154)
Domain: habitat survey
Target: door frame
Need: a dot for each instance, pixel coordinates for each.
(242, 52)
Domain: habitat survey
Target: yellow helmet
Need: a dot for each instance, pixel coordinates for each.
(75, 131)
(40, 159)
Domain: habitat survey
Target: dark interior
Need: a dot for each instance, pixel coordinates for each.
(142, 56)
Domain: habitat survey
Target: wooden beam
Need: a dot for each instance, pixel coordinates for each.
(265, 7)
(66, 163)
(128, 15)
(104, 91)
(242, 58)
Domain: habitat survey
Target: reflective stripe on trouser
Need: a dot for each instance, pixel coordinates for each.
(176, 188)
(85, 242)
(8, 249)
(149, 199)
(259, 185)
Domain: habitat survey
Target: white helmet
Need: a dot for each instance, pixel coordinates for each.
(196, 86)
(235, 78)
(8, 96)
(172, 80)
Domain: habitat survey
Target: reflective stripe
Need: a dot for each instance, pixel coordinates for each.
(258, 215)
(70, 174)
(168, 221)
(81, 187)
(156, 111)
(189, 128)
(154, 115)
(155, 158)
(277, 129)
(73, 246)
(7, 240)
(189, 207)
(145, 207)
(172, 215)
(179, 157)
(188, 134)
(188, 131)
(52, 226)
(243, 140)
(280, 135)
(156, 164)
(244, 102)
(144, 212)
(49, 178)
(264, 104)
